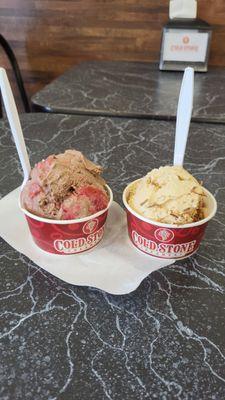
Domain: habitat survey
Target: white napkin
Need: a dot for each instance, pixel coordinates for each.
(114, 265)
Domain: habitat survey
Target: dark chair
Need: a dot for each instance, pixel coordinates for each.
(15, 67)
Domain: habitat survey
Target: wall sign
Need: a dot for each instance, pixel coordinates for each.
(182, 45)
(185, 42)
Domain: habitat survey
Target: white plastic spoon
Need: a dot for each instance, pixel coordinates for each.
(184, 111)
(14, 122)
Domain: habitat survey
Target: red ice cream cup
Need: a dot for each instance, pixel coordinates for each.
(167, 241)
(68, 236)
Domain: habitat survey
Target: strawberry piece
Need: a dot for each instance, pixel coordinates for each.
(34, 190)
(97, 197)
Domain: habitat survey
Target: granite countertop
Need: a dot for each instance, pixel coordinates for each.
(165, 340)
(131, 89)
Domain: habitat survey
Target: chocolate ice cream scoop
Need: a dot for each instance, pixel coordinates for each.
(65, 186)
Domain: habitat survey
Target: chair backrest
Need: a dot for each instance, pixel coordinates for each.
(15, 67)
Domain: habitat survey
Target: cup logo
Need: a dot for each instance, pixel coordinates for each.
(90, 226)
(164, 235)
(77, 245)
(163, 250)
(186, 40)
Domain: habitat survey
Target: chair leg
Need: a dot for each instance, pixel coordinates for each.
(1, 106)
(16, 70)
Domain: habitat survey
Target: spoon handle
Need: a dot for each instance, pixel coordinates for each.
(14, 122)
(184, 111)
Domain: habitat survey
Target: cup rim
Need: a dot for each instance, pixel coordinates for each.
(164, 225)
(68, 221)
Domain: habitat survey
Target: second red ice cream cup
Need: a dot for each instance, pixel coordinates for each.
(166, 241)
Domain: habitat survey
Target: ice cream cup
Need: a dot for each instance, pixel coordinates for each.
(66, 237)
(167, 241)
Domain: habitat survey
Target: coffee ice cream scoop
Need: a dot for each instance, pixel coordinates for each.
(169, 195)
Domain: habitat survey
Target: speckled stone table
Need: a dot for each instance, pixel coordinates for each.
(165, 340)
(133, 90)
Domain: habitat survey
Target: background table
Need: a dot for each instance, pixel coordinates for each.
(163, 341)
(131, 89)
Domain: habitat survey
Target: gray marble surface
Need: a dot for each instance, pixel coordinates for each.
(165, 340)
(132, 89)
